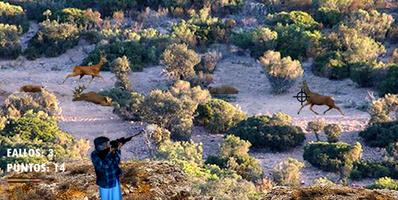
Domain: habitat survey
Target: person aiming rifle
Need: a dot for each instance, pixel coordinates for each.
(106, 160)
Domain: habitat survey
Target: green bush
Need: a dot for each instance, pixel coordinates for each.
(225, 188)
(52, 39)
(287, 172)
(9, 41)
(269, 132)
(333, 131)
(300, 18)
(392, 151)
(35, 9)
(39, 131)
(84, 19)
(370, 23)
(263, 39)
(242, 39)
(363, 74)
(281, 72)
(218, 115)
(329, 16)
(331, 65)
(18, 103)
(234, 156)
(332, 156)
(173, 109)
(13, 14)
(129, 104)
(380, 134)
(180, 61)
(118, 95)
(385, 183)
(139, 53)
(390, 83)
(342, 49)
(370, 169)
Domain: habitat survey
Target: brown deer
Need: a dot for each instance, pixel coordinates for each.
(317, 99)
(92, 71)
(91, 97)
(31, 88)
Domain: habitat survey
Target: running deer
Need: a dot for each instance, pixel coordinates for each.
(317, 99)
(92, 71)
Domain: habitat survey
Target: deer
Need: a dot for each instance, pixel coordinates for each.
(92, 70)
(90, 97)
(317, 99)
(31, 88)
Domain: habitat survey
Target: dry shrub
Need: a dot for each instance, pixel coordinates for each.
(394, 56)
(210, 60)
(381, 109)
(19, 103)
(316, 126)
(287, 172)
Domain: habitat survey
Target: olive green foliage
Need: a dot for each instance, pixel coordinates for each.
(258, 40)
(34, 9)
(18, 103)
(121, 69)
(140, 53)
(300, 18)
(84, 19)
(230, 188)
(335, 157)
(370, 23)
(333, 131)
(174, 109)
(218, 115)
(13, 14)
(281, 72)
(180, 61)
(120, 96)
(392, 151)
(370, 169)
(389, 84)
(274, 132)
(380, 134)
(381, 109)
(323, 182)
(105, 7)
(201, 29)
(343, 48)
(234, 156)
(385, 183)
(39, 131)
(296, 33)
(329, 16)
(52, 39)
(188, 155)
(316, 127)
(181, 151)
(129, 105)
(365, 73)
(287, 172)
(9, 41)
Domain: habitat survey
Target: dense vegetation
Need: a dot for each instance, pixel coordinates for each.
(274, 132)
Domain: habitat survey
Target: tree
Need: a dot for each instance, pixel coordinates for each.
(180, 61)
(316, 126)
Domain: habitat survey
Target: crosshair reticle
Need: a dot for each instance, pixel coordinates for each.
(301, 96)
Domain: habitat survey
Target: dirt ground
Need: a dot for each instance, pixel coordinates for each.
(86, 120)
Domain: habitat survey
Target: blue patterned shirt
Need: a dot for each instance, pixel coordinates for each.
(107, 169)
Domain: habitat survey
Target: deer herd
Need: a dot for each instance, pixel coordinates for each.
(94, 71)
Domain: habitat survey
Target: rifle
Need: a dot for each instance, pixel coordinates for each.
(115, 143)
